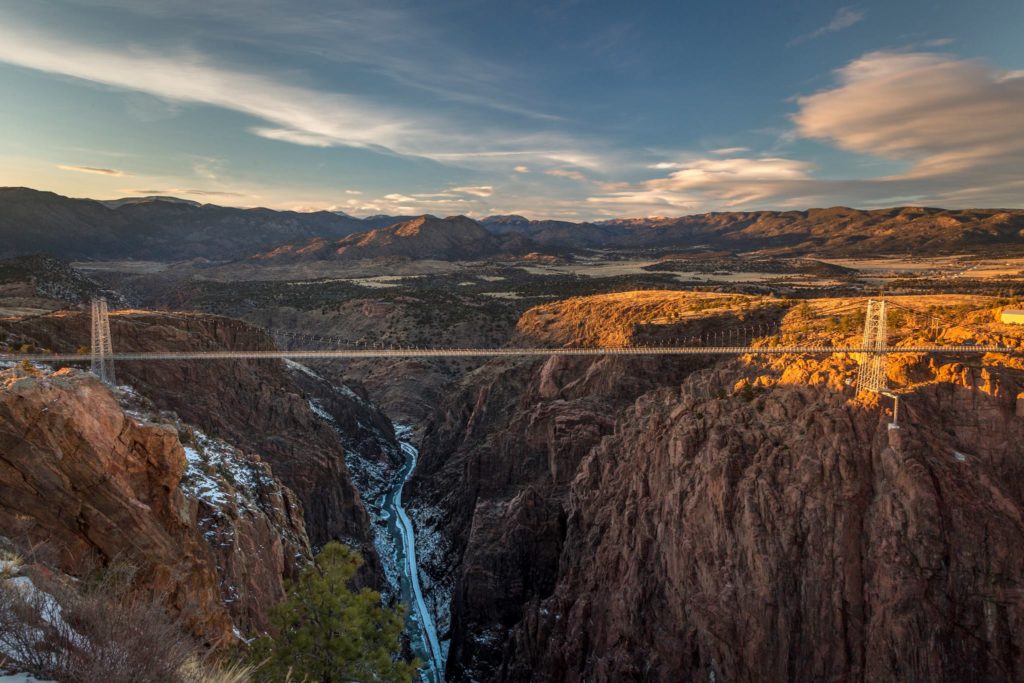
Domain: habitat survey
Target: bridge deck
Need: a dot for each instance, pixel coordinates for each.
(354, 354)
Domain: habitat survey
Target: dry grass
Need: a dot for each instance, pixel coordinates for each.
(10, 563)
(196, 670)
(99, 631)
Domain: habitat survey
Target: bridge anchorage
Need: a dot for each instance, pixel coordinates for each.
(102, 363)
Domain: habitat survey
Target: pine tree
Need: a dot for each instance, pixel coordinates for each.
(327, 633)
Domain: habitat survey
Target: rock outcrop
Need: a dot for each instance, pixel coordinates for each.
(253, 405)
(85, 484)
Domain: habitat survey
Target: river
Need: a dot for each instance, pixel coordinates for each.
(419, 622)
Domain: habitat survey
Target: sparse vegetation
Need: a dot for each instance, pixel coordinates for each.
(98, 630)
(10, 563)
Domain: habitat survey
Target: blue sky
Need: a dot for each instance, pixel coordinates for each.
(573, 109)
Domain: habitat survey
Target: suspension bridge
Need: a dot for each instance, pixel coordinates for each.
(871, 353)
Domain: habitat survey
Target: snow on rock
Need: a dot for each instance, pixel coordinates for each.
(252, 523)
(372, 457)
(433, 549)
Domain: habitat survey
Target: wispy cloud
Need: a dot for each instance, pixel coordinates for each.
(92, 169)
(724, 183)
(954, 123)
(183, 191)
(845, 17)
(730, 151)
(521, 169)
(295, 137)
(935, 110)
(568, 173)
(207, 167)
(297, 114)
(475, 190)
(358, 34)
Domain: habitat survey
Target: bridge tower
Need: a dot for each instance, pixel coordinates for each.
(872, 365)
(102, 350)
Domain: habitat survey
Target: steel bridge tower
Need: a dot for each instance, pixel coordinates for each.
(102, 349)
(872, 365)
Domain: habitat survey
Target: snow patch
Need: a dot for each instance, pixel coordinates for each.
(302, 368)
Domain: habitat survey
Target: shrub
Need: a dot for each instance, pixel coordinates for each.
(327, 633)
(10, 562)
(103, 631)
(29, 369)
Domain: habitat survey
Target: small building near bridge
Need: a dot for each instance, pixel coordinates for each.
(1012, 316)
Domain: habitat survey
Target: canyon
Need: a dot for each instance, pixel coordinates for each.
(511, 342)
(606, 519)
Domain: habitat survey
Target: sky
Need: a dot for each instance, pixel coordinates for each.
(562, 109)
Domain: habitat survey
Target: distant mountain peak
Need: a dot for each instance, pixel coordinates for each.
(506, 218)
(421, 237)
(129, 201)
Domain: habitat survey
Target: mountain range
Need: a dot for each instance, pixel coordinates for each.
(162, 229)
(168, 229)
(451, 239)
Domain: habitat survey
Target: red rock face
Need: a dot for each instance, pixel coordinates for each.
(782, 532)
(83, 485)
(86, 481)
(497, 463)
(254, 405)
(252, 524)
(794, 537)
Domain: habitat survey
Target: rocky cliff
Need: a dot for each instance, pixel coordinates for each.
(792, 536)
(91, 478)
(740, 520)
(255, 406)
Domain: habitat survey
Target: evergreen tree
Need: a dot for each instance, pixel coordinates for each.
(326, 633)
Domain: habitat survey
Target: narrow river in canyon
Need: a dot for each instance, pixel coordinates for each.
(420, 622)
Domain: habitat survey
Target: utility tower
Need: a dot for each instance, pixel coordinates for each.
(102, 349)
(872, 365)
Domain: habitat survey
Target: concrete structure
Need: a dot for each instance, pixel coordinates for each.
(1012, 316)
